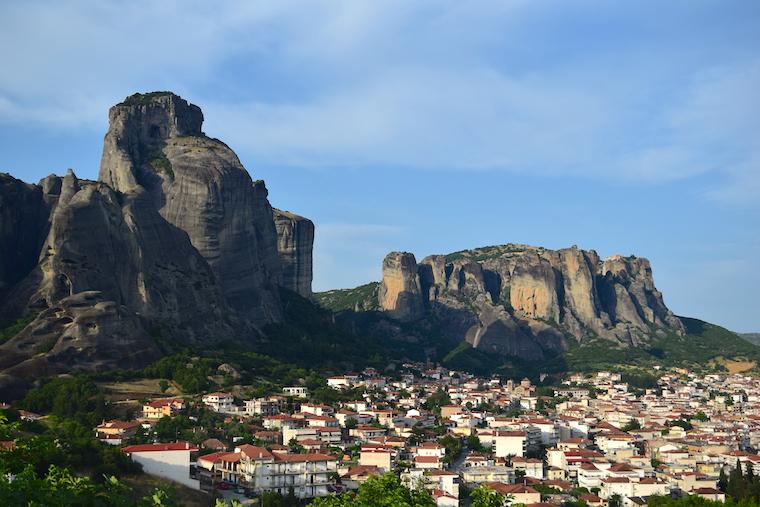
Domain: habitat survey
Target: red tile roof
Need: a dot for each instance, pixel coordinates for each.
(176, 446)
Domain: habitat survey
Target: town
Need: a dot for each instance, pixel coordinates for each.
(601, 439)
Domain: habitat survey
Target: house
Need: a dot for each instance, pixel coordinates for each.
(209, 470)
(531, 467)
(170, 461)
(431, 449)
(443, 480)
(315, 409)
(357, 475)
(477, 460)
(364, 433)
(25, 415)
(443, 499)
(517, 493)
(307, 475)
(712, 494)
(157, 409)
(263, 406)
(428, 462)
(449, 410)
(296, 391)
(481, 474)
(509, 443)
(378, 456)
(219, 402)
(116, 432)
(214, 444)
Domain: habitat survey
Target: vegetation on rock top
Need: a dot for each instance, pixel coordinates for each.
(142, 99)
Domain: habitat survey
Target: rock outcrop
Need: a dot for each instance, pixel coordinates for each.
(81, 332)
(155, 144)
(399, 293)
(525, 301)
(295, 241)
(174, 241)
(24, 213)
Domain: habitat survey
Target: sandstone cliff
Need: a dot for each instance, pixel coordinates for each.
(525, 301)
(175, 240)
(155, 144)
(295, 241)
(399, 293)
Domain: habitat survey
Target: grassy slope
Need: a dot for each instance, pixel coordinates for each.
(365, 296)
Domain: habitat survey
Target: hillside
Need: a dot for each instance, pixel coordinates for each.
(753, 338)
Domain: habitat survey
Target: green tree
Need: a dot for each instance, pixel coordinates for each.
(485, 496)
(722, 480)
(381, 491)
(436, 400)
(631, 425)
(736, 486)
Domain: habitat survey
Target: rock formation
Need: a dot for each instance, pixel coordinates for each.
(399, 293)
(174, 240)
(154, 144)
(523, 301)
(295, 240)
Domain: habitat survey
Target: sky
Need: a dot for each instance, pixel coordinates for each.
(431, 127)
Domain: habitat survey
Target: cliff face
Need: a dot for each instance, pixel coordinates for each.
(24, 212)
(295, 240)
(399, 293)
(175, 239)
(154, 144)
(525, 301)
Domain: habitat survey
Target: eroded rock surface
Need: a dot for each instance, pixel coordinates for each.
(525, 301)
(174, 241)
(155, 144)
(399, 293)
(295, 241)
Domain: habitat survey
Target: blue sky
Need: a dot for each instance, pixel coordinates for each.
(624, 127)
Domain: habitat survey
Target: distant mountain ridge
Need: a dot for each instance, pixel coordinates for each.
(753, 338)
(509, 303)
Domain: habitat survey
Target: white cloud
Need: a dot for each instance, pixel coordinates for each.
(425, 85)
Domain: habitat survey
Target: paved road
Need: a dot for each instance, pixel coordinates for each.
(458, 463)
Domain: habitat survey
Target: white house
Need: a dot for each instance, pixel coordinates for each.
(509, 443)
(219, 402)
(297, 391)
(170, 461)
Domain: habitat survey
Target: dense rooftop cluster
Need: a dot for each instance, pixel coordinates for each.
(603, 439)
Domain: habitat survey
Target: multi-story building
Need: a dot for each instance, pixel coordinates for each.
(263, 406)
(307, 475)
(219, 402)
(509, 443)
(157, 409)
(297, 391)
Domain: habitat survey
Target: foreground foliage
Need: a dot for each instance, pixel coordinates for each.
(62, 465)
(382, 491)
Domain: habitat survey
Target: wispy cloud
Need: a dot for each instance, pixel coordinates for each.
(425, 85)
